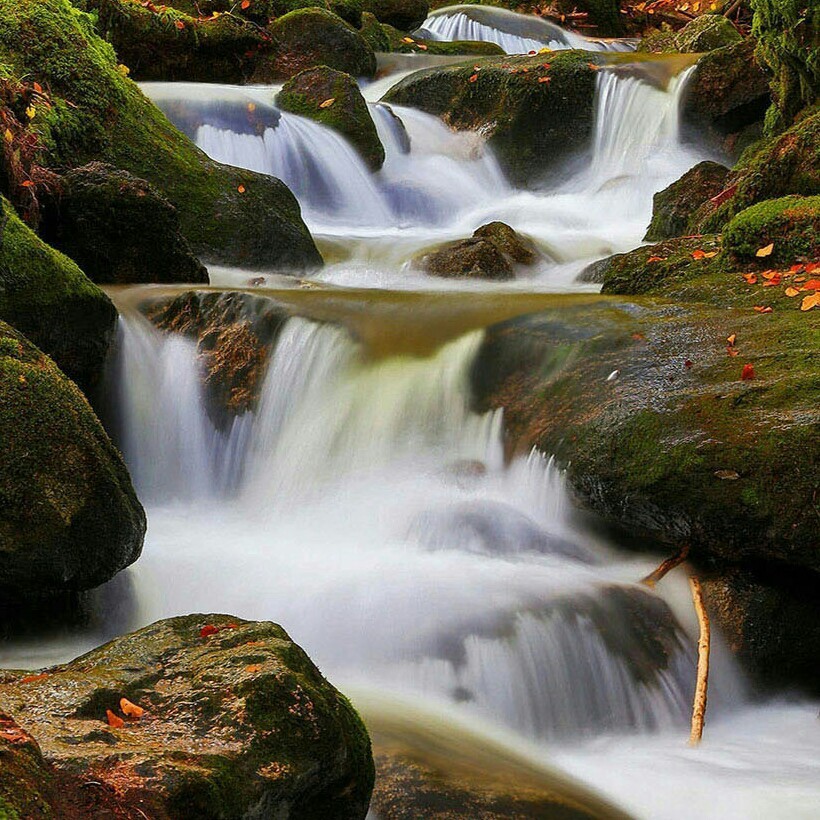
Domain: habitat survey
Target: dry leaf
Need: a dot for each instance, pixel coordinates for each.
(810, 301)
(327, 103)
(762, 309)
(751, 278)
(698, 254)
(732, 351)
(179, 24)
(765, 251)
(792, 291)
(748, 373)
(254, 667)
(114, 721)
(731, 339)
(131, 709)
(655, 259)
(240, 188)
(208, 630)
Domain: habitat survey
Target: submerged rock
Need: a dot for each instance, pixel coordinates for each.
(312, 37)
(237, 723)
(46, 296)
(95, 112)
(332, 98)
(673, 207)
(69, 517)
(535, 111)
(119, 229)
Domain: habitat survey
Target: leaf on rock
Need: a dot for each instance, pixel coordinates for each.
(131, 709)
(114, 721)
(751, 278)
(762, 309)
(240, 188)
(208, 630)
(748, 373)
(765, 251)
(327, 103)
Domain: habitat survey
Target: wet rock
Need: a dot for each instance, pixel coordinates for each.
(519, 248)
(119, 229)
(535, 111)
(312, 37)
(706, 33)
(332, 98)
(69, 517)
(404, 15)
(473, 258)
(238, 723)
(47, 297)
(726, 98)
(95, 112)
(673, 207)
(399, 42)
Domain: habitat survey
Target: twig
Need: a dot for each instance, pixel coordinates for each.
(669, 564)
(699, 705)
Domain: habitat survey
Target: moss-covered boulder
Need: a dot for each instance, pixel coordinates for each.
(46, 296)
(726, 98)
(706, 33)
(404, 15)
(238, 722)
(311, 37)
(332, 98)
(119, 229)
(788, 38)
(791, 224)
(91, 111)
(536, 111)
(384, 37)
(673, 207)
(783, 165)
(69, 517)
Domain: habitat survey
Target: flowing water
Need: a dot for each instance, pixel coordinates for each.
(367, 507)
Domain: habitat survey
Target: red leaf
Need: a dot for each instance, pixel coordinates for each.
(751, 278)
(179, 24)
(698, 254)
(114, 720)
(208, 630)
(38, 88)
(687, 364)
(473, 78)
(748, 373)
(32, 678)
(812, 284)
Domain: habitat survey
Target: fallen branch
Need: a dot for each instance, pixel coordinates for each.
(667, 566)
(699, 705)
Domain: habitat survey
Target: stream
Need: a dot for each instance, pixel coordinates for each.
(370, 510)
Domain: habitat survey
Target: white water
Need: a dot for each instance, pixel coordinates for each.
(515, 33)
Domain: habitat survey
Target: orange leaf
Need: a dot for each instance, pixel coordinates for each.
(408, 40)
(474, 78)
(751, 278)
(544, 79)
(421, 46)
(768, 274)
(796, 268)
(38, 88)
(179, 24)
(240, 188)
(732, 351)
(810, 301)
(245, 4)
(812, 267)
(114, 720)
(131, 709)
(32, 678)
(327, 103)
(655, 259)
(812, 284)
(698, 254)
(27, 183)
(792, 291)
(765, 251)
(724, 195)
(748, 373)
(593, 66)
(761, 309)
(208, 630)
(773, 280)
(254, 667)
(731, 339)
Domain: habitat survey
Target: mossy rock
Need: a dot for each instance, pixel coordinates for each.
(673, 207)
(375, 33)
(706, 33)
(726, 97)
(783, 165)
(536, 111)
(404, 15)
(311, 37)
(238, 723)
(520, 249)
(788, 38)
(473, 258)
(333, 99)
(94, 112)
(46, 296)
(791, 224)
(399, 42)
(69, 517)
(119, 229)
(659, 41)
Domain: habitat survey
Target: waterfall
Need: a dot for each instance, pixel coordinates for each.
(515, 33)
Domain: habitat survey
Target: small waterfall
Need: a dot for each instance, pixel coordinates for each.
(515, 33)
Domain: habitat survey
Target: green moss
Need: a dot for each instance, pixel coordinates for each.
(396, 42)
(791, 224)
(706, 33)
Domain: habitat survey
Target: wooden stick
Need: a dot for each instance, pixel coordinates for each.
(699, 705)
(669, 564)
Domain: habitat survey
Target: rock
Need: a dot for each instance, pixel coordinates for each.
(786, 164)
(239, 723)
(46, 296)
(397, 41)
(69, 517)
(119, 229)
(602, 16)
(532, 126)
(332, 98)
(235, 333)
(375, 33)
(706, 33)
(659, 41)
(473, 258)
(405, 15)
(312, 37)
(791, 224)
(228, 215)
(518, 248)
(726, 97)
(673, 207)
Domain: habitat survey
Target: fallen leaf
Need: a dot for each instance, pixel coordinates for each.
(8, 136)
(727, 475)
(179, 24)
(474, 78)
(327, 103)
(751, 278)
(773, 280)
(408, 40)
(544, 79)
(208, 630)
(131, 709)
(762, 309)
(698, 254)
(593, 66)
(421, 46)
(792, 291)
(30, 112)
(731, 339)
(725, 194)
(710, 254)
(241, 189)
(765, 251)
(114, 721)
(38, 88)
(748, 373)
(27, 183)
(638, 337)
(245, 4)
(812, 284)
(32, 678)
(810, 301)
(254, 667)
(812, 267)
(732, 351)
(655, 259)
(796, 268)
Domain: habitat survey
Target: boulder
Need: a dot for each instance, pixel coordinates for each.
(673, 207)
(706, 33)
(791, 224)
(46, 296)
(536, 111)
(69, 517)
(399, 42)
(91, 111)
(726, 98)
(312, 37)
(404, 15)
(332, 98)
(238, 722)
(519, 248)
(119, 229)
